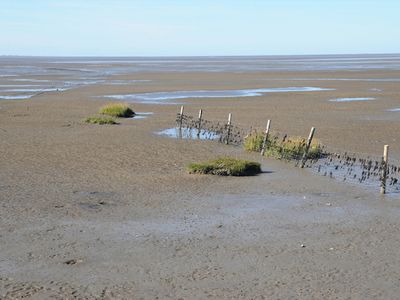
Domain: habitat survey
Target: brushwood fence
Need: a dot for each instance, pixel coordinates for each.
(192, 127)
(356, 168)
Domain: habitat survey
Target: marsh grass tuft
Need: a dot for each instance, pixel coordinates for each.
(117, 110)
(101, 120)
(226, 166)
(286, 148)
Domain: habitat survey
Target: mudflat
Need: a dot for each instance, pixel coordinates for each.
(109, 212)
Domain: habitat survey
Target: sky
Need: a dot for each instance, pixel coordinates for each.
(198, 28)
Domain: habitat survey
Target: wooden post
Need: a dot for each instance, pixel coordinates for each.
(199, 128)
(229, 128)
(180, 122)
(181, 117)
(385, 168)
(264, 145)
(309, 140)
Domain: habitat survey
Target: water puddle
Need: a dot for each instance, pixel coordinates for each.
(27, 86)
(30, 80)
(157, 97)
(21, 85)
(345, 79)
(189, 133)
(125, 82)
(351, 99)
(34, 90)
(16, 97)
(141, 115)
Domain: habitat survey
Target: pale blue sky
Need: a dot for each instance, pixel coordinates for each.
(207, 27)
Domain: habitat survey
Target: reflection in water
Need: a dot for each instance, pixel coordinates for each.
(189, 133)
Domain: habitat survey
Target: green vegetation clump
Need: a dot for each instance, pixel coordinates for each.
(117, 110)
(226, 166)
(253, 142)
(286, 148)
(100, 120)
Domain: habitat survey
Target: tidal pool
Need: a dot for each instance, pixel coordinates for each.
(15, 97)
(351, 99)
(141, 115)
(157, 97)
(189, 133)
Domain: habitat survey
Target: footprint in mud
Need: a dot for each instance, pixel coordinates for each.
(89, 205)
(95, 200)
(72, 262)
(94, 194)
(94, 205)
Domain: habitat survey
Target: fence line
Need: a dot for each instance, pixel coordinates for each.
(213, 130)
(370, 170)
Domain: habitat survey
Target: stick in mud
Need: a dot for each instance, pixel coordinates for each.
(229, 128)
(384, 168)
(309, 140)
(264, 145)
(199, 128)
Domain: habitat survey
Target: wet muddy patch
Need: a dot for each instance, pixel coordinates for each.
(365, 172)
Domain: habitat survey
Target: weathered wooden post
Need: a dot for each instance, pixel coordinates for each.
(309, 140)
(385, 159)
(264, 144)
(180, 121)
(181, 117)
(229, 128)
(199, 128)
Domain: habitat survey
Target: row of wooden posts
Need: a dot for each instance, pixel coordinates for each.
(385, 157)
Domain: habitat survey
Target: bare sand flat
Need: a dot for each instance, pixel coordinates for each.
(109, 212)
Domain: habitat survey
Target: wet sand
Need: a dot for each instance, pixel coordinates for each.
(116, 203)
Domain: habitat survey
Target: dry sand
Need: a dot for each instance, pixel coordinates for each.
(116, 203)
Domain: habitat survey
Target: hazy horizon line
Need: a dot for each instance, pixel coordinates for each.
(241, 55)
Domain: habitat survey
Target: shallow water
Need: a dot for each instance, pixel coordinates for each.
(156, 97)
(30, 80)
(351, 99)
(104, 66)
(20, 85)
(237, 64)
(344, 79)
(141, 115)
(188, 133)
(34, 90)
(59, 85)
(15, 97)
(125, 82)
